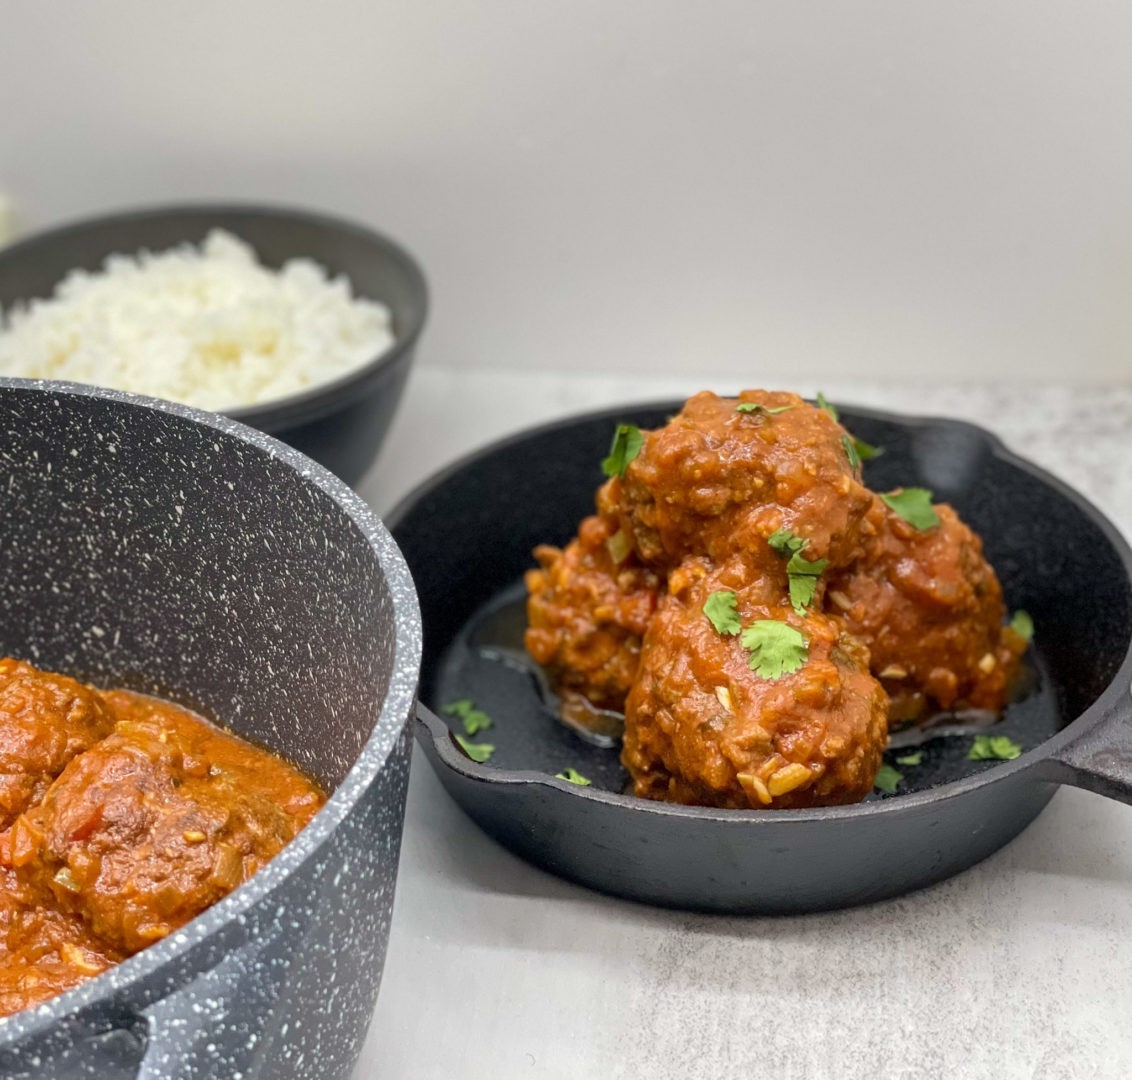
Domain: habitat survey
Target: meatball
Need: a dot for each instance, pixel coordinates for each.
(929, 608)
(702, 727)
(45, 720)
(588, 607)
(42, 952)
(151, 826)
(714, 481)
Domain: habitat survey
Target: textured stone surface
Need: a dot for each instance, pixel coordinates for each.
(1019, 969)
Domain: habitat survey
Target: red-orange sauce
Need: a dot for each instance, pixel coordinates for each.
(123, 817)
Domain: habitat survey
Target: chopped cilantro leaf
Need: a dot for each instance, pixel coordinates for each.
(856, 450)
(474, 720)
(626, 445)
(802, 589)
(1022, 625)
(776, 649)
(755, 407)
(478, 752)
(993, 748)
(721, 611)
(888, 779)
(574, 777)
(911, 759)
(866, 451)
(785, 543)
(802, 575)
(914, 505)
(798, 565)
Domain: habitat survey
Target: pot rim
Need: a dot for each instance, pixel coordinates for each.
(324, 398)
(394, 714)
(1030, 761)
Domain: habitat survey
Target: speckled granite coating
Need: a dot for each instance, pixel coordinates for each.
(175, 552)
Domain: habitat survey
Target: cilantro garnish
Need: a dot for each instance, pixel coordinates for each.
(914, 505)
(801, 573)
(755, 406)
(574, 777)
(911, 759)
(626, 445)
(474, 720)
(720, 608)
(888, 779)
(776, 649)
(857, 450)
(785, 543)
(866, 451)
(993, 748)
(478, 752)
(1022, 625)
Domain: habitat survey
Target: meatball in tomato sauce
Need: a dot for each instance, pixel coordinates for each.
(725, 474)
(712, 721)
(45, 720)
(929, 608)
(588, 607)
(138, 816)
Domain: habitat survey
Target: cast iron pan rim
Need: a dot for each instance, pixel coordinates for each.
(1033, 759)
(321, 399)
(395, 711)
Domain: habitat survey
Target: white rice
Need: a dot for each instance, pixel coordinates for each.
(206, 326)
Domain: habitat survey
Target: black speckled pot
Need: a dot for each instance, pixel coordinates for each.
(340, 424)
(171, 551)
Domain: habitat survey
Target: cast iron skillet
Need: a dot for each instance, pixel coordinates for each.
(467, 535)
(341, 424)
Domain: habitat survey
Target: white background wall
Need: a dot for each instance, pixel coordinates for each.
(769, 188)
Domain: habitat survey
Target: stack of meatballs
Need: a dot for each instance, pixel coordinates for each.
(739, 516)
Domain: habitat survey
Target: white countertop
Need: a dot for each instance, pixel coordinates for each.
(1018, 968)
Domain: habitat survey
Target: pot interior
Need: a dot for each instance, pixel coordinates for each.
(142, 549)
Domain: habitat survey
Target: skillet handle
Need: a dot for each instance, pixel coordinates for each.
(1101, 760)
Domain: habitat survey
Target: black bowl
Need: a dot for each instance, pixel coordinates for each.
(171, 551)
(467, 536)
(340, 424)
